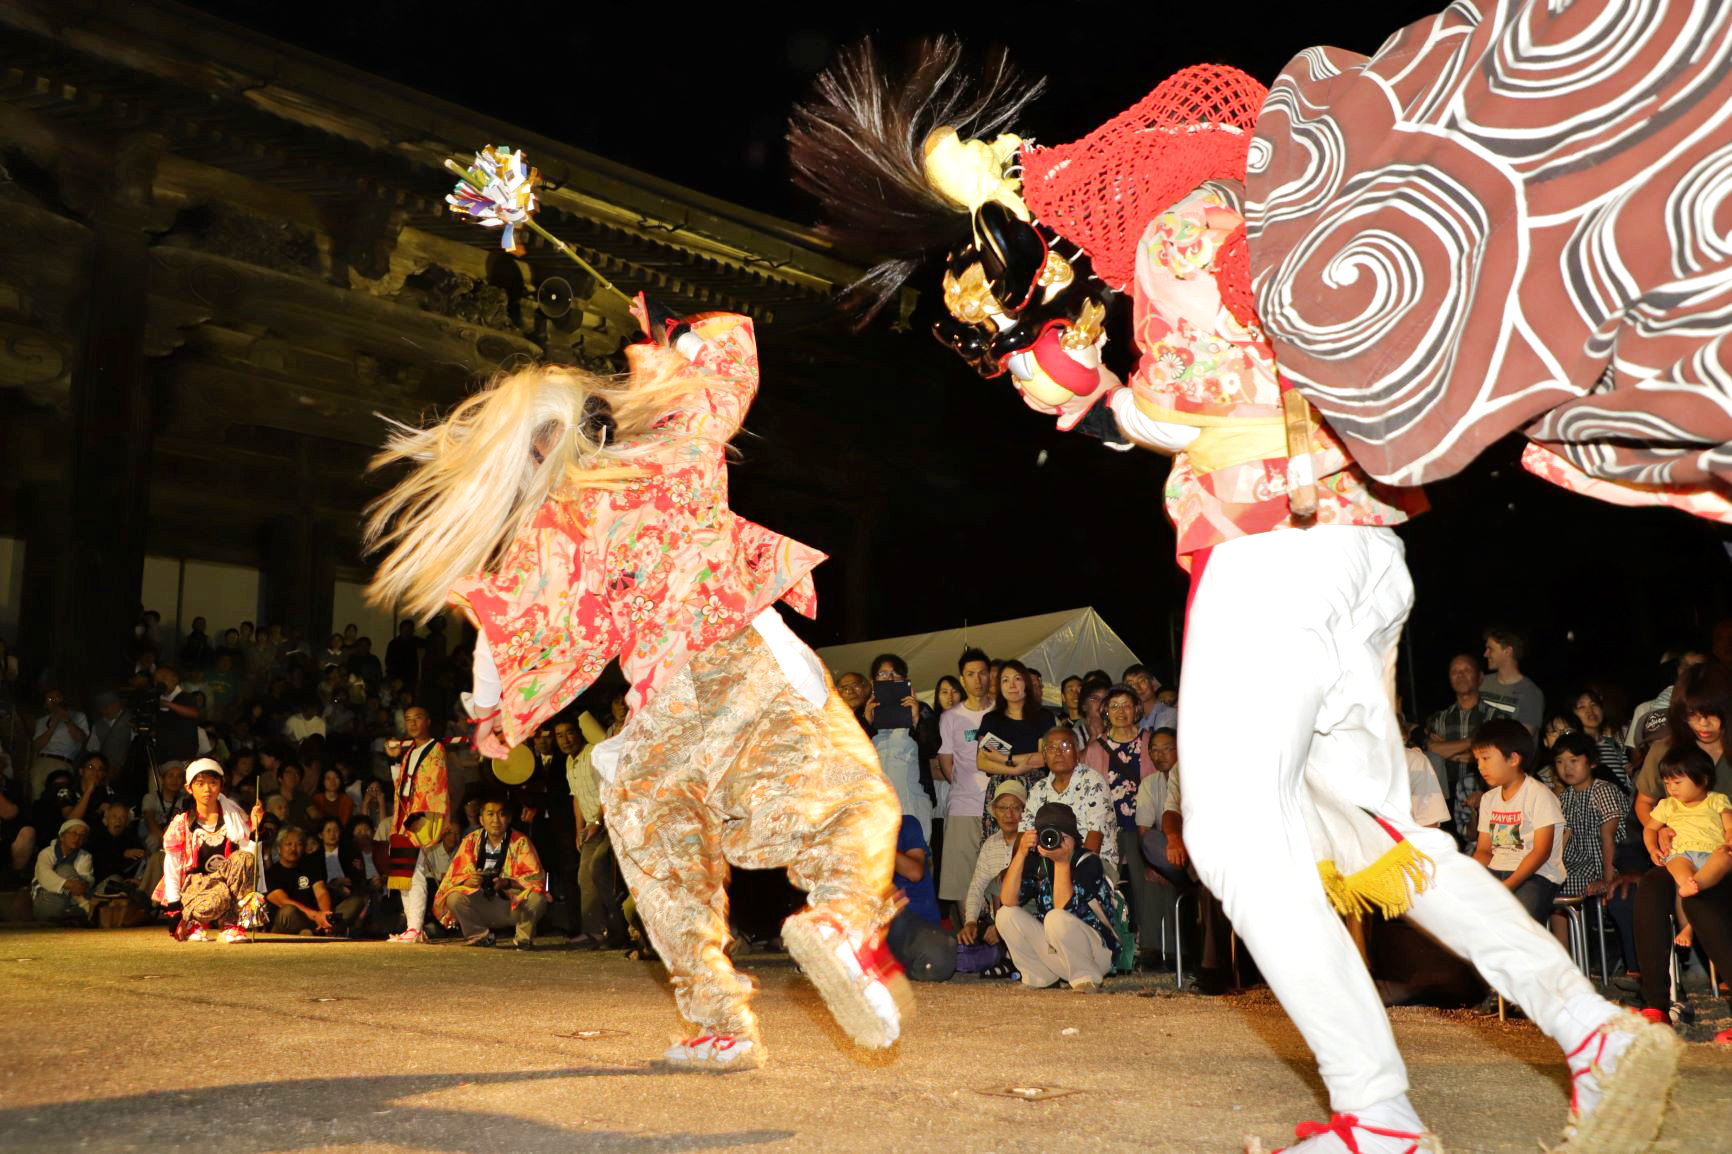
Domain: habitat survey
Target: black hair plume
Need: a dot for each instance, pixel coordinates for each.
(857, 147)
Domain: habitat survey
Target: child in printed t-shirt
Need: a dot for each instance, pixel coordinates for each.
(1519, 818)
(1700, 821)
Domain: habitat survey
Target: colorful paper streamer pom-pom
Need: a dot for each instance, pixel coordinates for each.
(497, 192)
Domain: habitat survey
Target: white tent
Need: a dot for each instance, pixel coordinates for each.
(1057, 644)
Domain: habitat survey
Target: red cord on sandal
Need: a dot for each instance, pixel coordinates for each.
(1342, 1127)
(1593, 1062)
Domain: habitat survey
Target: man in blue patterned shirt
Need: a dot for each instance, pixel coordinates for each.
(1069, 936)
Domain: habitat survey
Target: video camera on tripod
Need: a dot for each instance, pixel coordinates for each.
(144, 705)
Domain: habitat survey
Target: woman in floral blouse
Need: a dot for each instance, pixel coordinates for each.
(577, 520)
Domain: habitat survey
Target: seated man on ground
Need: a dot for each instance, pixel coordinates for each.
(1069, 938)
(495, 881)
(295, 886)
(65, 877)
(915, 939)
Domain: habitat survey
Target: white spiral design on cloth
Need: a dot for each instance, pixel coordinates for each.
(1324, 150)
(1691, 211)
(1595, 89)
(1516, 216)
(1318, 65)
(1257, 156)
(1395, 287)
(1594, 278)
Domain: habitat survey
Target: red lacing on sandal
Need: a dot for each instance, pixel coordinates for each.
(873, 953)
(1342, 1127)
(1592, 1064)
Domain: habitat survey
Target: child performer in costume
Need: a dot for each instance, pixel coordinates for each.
(422, 796)
(209, 860)
(577, 519)
(1299, 588)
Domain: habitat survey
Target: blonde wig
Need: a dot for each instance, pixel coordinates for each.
(478, 476)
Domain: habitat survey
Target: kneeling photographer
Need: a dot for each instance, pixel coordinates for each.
(1069, 936)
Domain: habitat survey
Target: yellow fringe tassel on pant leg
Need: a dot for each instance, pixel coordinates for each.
(1387, 886)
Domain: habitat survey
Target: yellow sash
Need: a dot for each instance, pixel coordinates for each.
(1224, 441)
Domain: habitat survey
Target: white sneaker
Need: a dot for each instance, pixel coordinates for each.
(235, 936)
(198, 934)
(412, 936)
(717, 1052)
(1620, 1077)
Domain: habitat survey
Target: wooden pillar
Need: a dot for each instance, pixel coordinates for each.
(100, 541)
(299, 566)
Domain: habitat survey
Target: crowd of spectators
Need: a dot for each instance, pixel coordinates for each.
(307, 733)
(1586, 803)
(1043, 834)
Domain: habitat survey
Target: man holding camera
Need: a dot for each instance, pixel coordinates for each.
(495, 881)
(1069, 936)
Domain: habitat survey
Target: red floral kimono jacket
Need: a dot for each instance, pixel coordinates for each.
(652, 572)
(464, 877)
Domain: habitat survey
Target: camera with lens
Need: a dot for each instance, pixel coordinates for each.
(1049, 838)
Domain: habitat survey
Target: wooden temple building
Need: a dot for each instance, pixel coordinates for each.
(222, 258)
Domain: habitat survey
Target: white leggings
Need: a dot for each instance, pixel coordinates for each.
(1288, 737)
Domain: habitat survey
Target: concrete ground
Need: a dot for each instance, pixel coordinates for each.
(125, 1041)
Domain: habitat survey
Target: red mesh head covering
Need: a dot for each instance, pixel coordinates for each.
(1100, 192)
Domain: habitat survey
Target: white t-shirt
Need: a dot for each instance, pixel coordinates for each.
(958, 734)
(1511, 822)
(1430, 807)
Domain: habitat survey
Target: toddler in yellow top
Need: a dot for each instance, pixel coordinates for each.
(1699, 851)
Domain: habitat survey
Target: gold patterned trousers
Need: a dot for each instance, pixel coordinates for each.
(729, 763)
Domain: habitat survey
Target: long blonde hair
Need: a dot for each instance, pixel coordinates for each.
(481, 473)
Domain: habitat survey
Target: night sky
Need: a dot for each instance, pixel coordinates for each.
(700, 96)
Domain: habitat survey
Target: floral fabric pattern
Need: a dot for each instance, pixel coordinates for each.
(1122, 765)
(1091, 802)
(729, 763)
(650, 572)
(1201, 363)
(424, 789)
